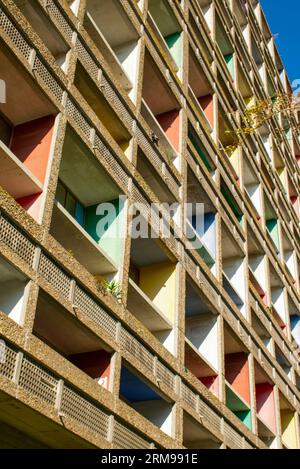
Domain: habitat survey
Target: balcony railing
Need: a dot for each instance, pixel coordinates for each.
(37, 380)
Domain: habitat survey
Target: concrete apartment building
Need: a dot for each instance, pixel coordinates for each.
(138, 101)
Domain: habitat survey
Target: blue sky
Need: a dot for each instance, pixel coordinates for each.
(283, 17)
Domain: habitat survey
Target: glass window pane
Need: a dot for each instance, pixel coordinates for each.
(79, 213)
(70, 204)
(60, 193)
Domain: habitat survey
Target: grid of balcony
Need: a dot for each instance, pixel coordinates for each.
(201, 347)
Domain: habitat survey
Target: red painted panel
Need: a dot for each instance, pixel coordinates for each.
(212, 383)
(264, 298)
(95, 364)
(170, 122)
(31, 144)
(237, 373)
(265, 404)
(207, 104)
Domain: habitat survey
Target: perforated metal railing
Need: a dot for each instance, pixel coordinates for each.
(157, 161)
(8, 357)
(189, 396)
(137, 350)
(38, 381)
(46, 386)
(207, 413)
(42, 72)
(14, 35)
(16, 241)
(83, 411)
(58, 19)
(54, 275)
(232, 438)
(165, 376)
(76, 116)
(87, 59)
(124, 438)
(94, 311)
(111, 161)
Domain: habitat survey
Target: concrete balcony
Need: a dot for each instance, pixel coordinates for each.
(74, 238)
(145, 310)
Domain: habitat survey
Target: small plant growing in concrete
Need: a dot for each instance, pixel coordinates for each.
(114, 288)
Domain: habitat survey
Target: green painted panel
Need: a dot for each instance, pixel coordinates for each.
(229, 59)
(245, 417)
(174, 44)
(106, 227)
(272, 227)
(209, 261)
(199, 151)
(234, 402)
(231, 202)
(288, 133)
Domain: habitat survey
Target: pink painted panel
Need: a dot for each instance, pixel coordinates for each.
(212, 383)
(206, 102)
(170, 123)
(32, 205)
(265, 404)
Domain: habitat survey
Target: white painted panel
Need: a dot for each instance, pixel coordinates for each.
(128, 57)
(257, 264)
(167, 339)
(254, 194)
(11, 299)
(234, 269)
(203, 333)
(158, 412)
(278, 302)
(289, 258)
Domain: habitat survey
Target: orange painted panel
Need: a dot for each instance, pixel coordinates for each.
(265, 404)
(237, 374)
(95, 364)
(31, 144)
(207, 104)
(170, 122)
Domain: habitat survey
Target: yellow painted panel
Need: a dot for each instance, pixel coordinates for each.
(158, 282)
(234, 160)
(288, 423)
(281, 174)
(125, 146)
(250, 102)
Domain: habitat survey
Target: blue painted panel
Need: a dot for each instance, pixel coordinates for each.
(209, 219)
(295, 326)
(134, 389)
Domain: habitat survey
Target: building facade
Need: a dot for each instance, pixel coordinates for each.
(111, 111)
